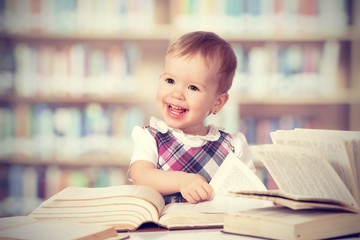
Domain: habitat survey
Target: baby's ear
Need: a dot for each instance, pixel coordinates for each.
(220, 102)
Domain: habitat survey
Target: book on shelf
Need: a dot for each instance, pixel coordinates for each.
(257, 129)
(128, 207)
(284, 223)
(67, 132)
(84, 17)
(312, 168)
(262, 18)
(25, 227)
(73, 70)
(305, 69)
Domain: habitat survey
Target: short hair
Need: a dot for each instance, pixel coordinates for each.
(213, 49)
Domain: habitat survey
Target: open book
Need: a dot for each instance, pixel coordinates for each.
(128, 207)
(25, 227)
(312, 169)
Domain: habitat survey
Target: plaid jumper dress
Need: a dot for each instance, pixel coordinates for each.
(204, 160)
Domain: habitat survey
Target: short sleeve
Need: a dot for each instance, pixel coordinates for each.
(144, 146)
(243, 151)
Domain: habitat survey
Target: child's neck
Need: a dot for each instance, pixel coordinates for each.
(201, 132)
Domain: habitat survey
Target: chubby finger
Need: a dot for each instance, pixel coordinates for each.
(209, 191)
(189, 198)
(202, 193)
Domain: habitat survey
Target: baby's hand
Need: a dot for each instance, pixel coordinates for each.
(194, 188)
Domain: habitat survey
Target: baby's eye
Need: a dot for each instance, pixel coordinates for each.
(193, 88)
(170, 81)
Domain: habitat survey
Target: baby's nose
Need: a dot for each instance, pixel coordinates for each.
(178, 93)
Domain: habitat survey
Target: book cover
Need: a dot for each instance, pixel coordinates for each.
(285, 223)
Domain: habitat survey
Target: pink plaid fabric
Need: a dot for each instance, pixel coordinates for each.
(204, 160)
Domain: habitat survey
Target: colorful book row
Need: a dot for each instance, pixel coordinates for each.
(263, 17)
(56, 133)
(69, 70)
(267, 70)
(285, 70)
(76, 16)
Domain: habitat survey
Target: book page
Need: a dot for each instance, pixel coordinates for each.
(354, 139)
(234, 175)
(11, 222)
(333, 148)
(124, 207)
(352, 142)
(81, 193)
(297, 202)
(304, 172)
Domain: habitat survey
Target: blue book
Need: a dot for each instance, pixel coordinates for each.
(134, 117)
(16, 182)
(234, 8)
(43, 123)
(7, 69)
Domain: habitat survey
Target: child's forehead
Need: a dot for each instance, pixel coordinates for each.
(209, 62)
(191, 66)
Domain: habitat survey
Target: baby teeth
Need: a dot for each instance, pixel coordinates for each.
(177, 110)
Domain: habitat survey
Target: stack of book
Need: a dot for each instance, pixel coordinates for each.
(317, 172)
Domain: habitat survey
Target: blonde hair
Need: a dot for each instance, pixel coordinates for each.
(213, 49)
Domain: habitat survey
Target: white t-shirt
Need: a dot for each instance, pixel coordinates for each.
(145, 145)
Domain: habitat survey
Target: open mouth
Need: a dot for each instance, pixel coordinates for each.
(177, 110)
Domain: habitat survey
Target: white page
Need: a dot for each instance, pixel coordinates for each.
(305, 172)
(330, 145)
(233, 175)
(352, 142)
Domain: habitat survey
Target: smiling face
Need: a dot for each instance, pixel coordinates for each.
(187, 93)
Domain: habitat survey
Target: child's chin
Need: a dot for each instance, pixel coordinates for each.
(173, 123)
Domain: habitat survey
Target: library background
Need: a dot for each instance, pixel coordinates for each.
(77, 75)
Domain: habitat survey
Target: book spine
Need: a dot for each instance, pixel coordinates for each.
(7, 69)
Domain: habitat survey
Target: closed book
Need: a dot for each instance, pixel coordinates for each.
(285, 223)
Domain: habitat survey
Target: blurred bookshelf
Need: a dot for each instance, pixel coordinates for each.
(77, 75)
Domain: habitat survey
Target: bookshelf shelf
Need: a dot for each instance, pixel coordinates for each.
(160, 33)
(306, 37)
(333, 100)
(167, 33)
(126, 99)
(349, 98)
(88, 161)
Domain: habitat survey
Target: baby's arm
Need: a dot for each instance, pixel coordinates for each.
(192, 187)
